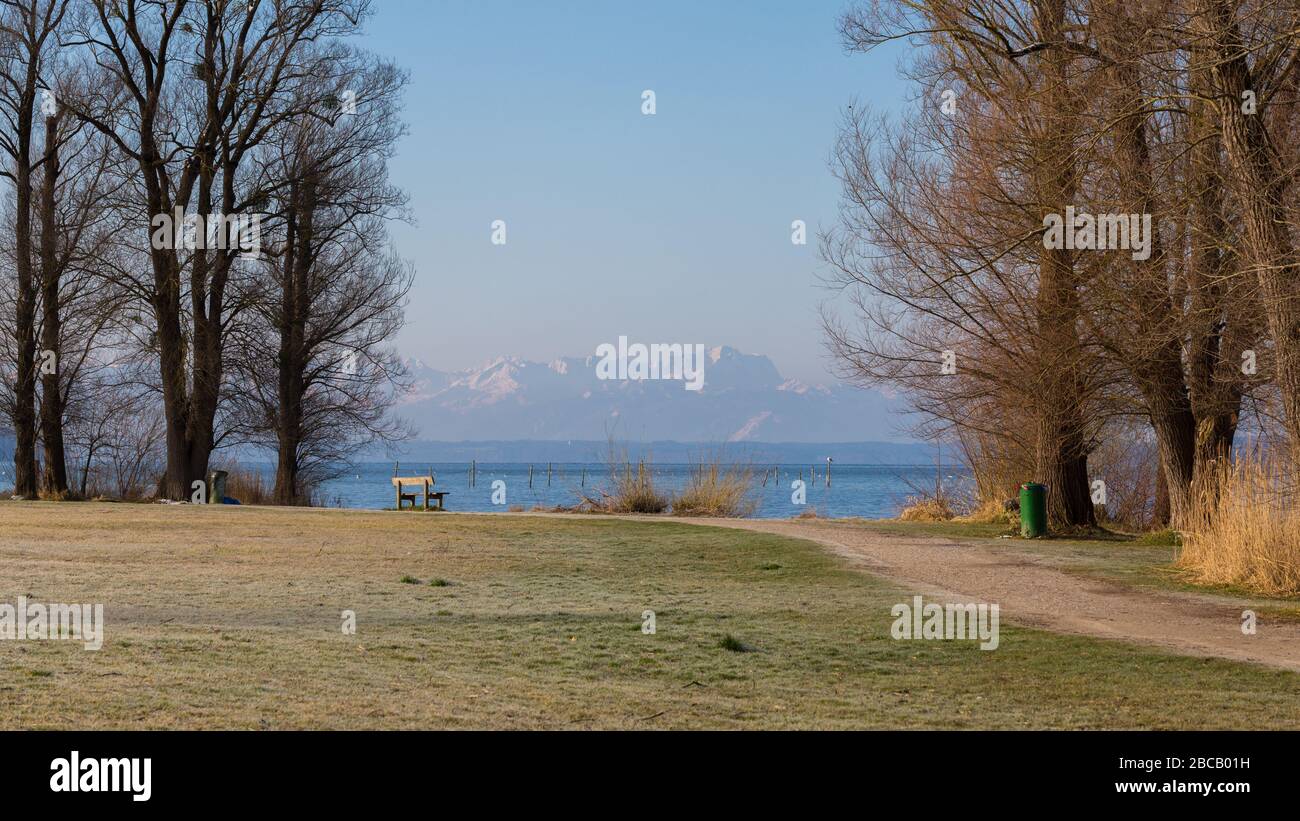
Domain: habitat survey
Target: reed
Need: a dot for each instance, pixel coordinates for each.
(1248, 530)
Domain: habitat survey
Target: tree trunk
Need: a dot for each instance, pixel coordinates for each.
(1154, 355)
(1214, 379)
(295, 307)
(24, 417)
(1062, 457)
(186, 462)
(1160, 510)
(1257, 169)
(1176, 441)
(56, 471)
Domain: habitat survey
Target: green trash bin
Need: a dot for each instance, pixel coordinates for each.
(1033, 510)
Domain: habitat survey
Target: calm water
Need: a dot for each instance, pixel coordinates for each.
(871, 491)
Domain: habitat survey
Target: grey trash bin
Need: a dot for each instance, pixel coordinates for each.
(217, 487)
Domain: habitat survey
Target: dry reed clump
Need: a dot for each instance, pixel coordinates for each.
(998, 465)
(991, 513)
(249, 487)
(632, 490)
(927, 509)
(1249, 531)
(717, 490)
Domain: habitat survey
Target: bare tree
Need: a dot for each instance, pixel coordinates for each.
(940, 240)
(28, 35)
(333, 295)
(197, 88)
(1115, 108)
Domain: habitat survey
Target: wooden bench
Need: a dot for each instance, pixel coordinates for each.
(425, 483)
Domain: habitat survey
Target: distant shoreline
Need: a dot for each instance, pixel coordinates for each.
(665, 452)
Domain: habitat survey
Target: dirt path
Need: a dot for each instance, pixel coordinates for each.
(1031, 592)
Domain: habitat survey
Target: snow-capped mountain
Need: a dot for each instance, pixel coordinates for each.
(744, 399)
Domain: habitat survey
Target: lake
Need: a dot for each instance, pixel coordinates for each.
(870, 491)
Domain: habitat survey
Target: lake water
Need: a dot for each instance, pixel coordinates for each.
(869, 491)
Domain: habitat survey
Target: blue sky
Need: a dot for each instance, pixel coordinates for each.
(666, 228)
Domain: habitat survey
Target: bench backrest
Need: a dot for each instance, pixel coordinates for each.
(413, 480)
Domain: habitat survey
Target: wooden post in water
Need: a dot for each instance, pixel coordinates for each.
(548, 474)
(938, 469)
(828, 471)
(530, 477)
(584, 477)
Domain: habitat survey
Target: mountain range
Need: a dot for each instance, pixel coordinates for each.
(744, 399)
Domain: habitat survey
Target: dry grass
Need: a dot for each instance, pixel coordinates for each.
(999, 464)
(715, 489)
(631, 490)
(229, 617)
(248, 486)
(635, 492)
(990, 513)
(926, 509)
(1250, 534)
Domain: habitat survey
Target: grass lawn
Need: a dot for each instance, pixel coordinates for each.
(228, 617)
